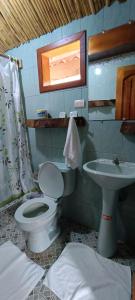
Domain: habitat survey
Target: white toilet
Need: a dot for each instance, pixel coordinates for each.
(38, 217)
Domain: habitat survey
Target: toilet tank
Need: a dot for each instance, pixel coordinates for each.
(68, 177)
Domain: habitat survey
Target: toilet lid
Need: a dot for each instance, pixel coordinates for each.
(51, 180)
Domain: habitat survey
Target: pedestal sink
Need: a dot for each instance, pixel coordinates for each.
(111, 178)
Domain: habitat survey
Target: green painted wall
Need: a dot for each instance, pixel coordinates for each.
(98, 139)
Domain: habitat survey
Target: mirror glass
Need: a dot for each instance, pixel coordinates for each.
(102, 77)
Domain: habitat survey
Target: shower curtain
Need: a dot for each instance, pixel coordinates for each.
(15, 167)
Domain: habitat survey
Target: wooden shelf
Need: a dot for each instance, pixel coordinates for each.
(100, 103)
(112, 42)
(53, 123)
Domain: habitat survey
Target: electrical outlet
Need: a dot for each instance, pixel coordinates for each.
(62, 114)
(79, 103)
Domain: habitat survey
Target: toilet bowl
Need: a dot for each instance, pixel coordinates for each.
(38, 217)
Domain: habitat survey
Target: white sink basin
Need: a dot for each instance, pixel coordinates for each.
(111, 178)
(109, 175)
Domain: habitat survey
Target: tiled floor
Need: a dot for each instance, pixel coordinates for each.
(70, 232)
(9, 231)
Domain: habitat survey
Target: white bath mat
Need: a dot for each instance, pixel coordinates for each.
(124, 255)
(81, 273)
(18, 274)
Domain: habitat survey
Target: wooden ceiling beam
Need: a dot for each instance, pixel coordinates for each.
(22, 20)
(92, 6)
(108, 2)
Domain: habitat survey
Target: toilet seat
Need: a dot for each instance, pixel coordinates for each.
(52, 185)
(38, 217)
(52, 206)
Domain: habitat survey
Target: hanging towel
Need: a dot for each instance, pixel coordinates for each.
(72, 148)
(80, 273)
(18, 274)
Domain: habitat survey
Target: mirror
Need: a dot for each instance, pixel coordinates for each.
(109, 53)
(62, 64)
(102, 83)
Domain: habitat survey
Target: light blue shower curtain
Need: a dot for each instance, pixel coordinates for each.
(15, 167)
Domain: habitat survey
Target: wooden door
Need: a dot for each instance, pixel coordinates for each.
(125, 93)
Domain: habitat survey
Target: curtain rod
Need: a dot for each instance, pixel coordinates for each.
(18, 61)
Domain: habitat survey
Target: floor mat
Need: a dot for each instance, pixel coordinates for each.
(81, 273)
(123, 255)
(18, 274)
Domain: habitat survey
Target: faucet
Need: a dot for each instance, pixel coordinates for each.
(116, 161)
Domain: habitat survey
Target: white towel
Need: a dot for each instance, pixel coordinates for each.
(72, 148)
(18, 274)
(80, 273)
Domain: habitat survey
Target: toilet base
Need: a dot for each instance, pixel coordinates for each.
(39, 241)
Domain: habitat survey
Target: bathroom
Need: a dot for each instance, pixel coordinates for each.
(100, 138)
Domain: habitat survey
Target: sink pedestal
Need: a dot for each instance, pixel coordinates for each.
(107, 240)
(111, 177)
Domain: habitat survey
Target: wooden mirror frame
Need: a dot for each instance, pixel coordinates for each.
(81, 36)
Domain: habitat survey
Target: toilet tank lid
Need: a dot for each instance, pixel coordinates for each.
(60, 165)
(51, 180)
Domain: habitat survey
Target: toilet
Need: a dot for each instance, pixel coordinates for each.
(38, 217)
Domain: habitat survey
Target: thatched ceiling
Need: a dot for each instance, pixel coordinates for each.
(22, 20)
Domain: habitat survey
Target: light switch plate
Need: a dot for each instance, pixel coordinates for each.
(79, 103)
